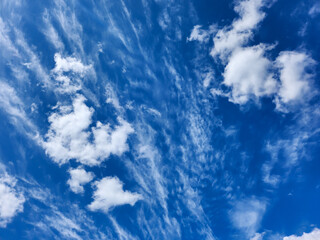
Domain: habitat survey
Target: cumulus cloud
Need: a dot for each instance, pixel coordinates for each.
(67, 72)
(314, 235)
(247, 70)
(109, 193)
(247, 214)
(69, 135)
(11, 200)
(295, 80)
(79, 177)
(231, 37)
(249, 74)
(250, 78)
(69, 64)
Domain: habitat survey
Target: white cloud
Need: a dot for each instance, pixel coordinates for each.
(198, 34)
(7, 47)
(314, 235)
(109, 193)
(11, 201)
(65, 15)
(249, 73)
(67, 72)
(69, 64)
(229, 38)
(69, 135)
(209, 77)
(11, 103)
(50, 32)
(79, 177)
(295, 81)
(250, 78)
(112, 98)
(247, 70)
(246, 215)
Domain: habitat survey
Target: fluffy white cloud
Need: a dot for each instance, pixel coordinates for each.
(69, 135)
(314, 235)
(248, 75)
(79, 177)
(67, 72)
(109, 193)
(295, 81)
(247, 70)
(11, 201)
(247, 214)
(231, 37)
(69, 64)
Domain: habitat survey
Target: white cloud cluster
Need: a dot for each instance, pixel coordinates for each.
(69, 64)
(79, 177)
(295, 81)
(249, 73)
(109, 193)
(11, 201)
(247, 215)
(314, 235)
(66, 73)
(69, 135)
(232, 37)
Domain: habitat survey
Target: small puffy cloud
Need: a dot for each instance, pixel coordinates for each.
(79, 177)
(69, 64)
(249, 78)
(11, 201)
(67, 72)
(198, 34)
(246, 215)
(314, 235)
(295, 80)
(109, 193)
(69, 136)
(232, 37)
(209, 77)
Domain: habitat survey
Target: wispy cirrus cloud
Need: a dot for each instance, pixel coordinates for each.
(247, 214)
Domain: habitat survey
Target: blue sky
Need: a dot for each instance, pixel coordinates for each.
(155, 119)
